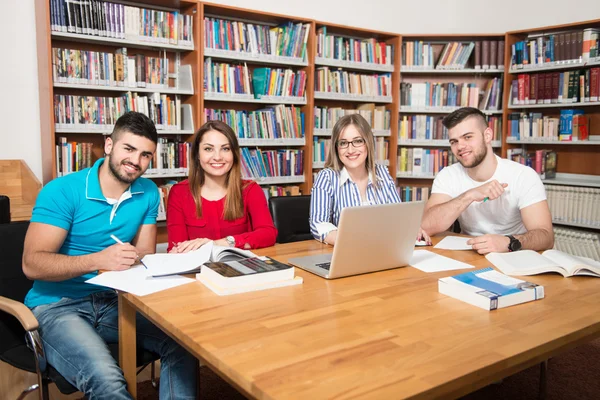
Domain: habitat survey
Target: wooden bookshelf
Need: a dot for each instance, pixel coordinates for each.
(248, 102)
(329, 60)
(431, 50)
(179, 79)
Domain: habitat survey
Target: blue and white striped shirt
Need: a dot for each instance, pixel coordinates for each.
(332, 192)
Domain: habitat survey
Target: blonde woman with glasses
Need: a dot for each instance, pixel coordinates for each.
(350, 178)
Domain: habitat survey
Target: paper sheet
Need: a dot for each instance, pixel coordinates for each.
(174, 263)
(428, 261)
(137, 280)
(454, 243)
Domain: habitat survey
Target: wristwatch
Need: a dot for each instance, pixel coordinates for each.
(230, 241)
(515, 244)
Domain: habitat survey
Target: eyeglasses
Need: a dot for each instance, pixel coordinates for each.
(343, 144)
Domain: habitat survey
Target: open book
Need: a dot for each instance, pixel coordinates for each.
(529, 262)
(190, 262)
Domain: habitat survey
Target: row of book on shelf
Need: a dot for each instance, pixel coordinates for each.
(413, 193)
(321, 148)
(417, 161)
(480, 54)
(285, 40)
(430, 127)
(577, 86)
(378, 117)
(97, 111)
(574, 205)
(274, 122)
(330, 80)
(450, 94)
(239, 79)
(258, 163)
(343, 48)
(120, 21)
(578, 45)
(109, 69)
(577, 242)
(542, 161)
(572, 126)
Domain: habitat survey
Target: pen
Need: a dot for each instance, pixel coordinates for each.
(486, 199)
(116, 239)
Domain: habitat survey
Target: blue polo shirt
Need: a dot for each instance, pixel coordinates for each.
(76, 204)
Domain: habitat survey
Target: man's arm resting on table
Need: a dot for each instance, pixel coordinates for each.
(538, 222)
(41, 260)
(441, 211)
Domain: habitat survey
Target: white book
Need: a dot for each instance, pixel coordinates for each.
(223, 291)
(529, 262)
(489, 289)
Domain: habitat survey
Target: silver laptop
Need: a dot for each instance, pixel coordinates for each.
(369, 239)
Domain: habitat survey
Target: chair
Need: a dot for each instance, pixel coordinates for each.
(18, 325)
(291, 217)
(4, 209)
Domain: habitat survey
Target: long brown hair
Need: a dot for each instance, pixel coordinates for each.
(234, 204)
(362, 126)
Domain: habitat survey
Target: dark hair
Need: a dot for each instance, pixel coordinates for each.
(458, 116)
(136, 123)
(234, 204)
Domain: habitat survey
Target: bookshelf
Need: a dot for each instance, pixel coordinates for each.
(349, 55)
(439, 74)
(104, 59)
(541, 87)
(279, 49)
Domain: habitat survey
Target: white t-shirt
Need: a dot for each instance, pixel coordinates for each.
(502, 215)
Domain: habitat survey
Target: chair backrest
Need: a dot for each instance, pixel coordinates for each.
(291, 218)
(4, 209)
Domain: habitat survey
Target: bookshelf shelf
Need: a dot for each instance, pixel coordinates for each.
(272, 142)
(248, 98)
(574, 180)
(254, 58)
(137, 89)
(554, 105)
(279, 180)
(575, 224)
(318, 164)
(107, 130)
(165, 174)
(435, 143)
(352, 97)
(553, 142)
(466, 71)
(376, 132)
(553, 66)
(440, 110)
(409, 175)
(383, 162)
(137, 43)
(361, 66)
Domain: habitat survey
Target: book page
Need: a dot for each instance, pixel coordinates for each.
(524, 262)
(177, 263)
(223, 254)
(572, 263)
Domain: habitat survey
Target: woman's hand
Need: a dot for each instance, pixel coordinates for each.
(422, 235)
(189, 245)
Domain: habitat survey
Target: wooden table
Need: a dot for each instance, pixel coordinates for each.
(383, 335)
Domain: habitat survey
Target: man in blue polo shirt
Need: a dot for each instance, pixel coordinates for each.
(69, 240)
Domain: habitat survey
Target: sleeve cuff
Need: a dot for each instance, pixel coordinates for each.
(323, 229)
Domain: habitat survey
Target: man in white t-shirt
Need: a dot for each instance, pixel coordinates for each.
(500, 202)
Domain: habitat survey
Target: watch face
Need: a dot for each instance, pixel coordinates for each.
(515, 245)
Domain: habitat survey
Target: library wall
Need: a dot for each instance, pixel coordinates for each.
(19, 105)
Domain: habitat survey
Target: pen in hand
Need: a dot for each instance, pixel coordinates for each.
(116, 239)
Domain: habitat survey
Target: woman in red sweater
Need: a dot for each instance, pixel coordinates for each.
(215, 203)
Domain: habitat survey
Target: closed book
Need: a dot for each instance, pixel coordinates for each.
(248, 271)
(489, 289)
(224, 291)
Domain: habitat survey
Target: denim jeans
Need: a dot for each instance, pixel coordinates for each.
(75, 333)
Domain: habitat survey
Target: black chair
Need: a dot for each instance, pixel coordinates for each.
(290, 215)
(4, 209)
(18, 325)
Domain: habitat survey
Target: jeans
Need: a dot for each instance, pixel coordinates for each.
(75, 333)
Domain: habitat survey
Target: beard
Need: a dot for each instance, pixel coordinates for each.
(478, 157)
(123, 176)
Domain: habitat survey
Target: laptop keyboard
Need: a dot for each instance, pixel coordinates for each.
(324, 265)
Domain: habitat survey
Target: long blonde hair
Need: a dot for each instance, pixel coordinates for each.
(362, 126)
(234, 204)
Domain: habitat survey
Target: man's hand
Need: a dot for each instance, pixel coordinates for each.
(189, 245)
(491, 190)
(117, 257)
(422, 235)
(490, 244)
